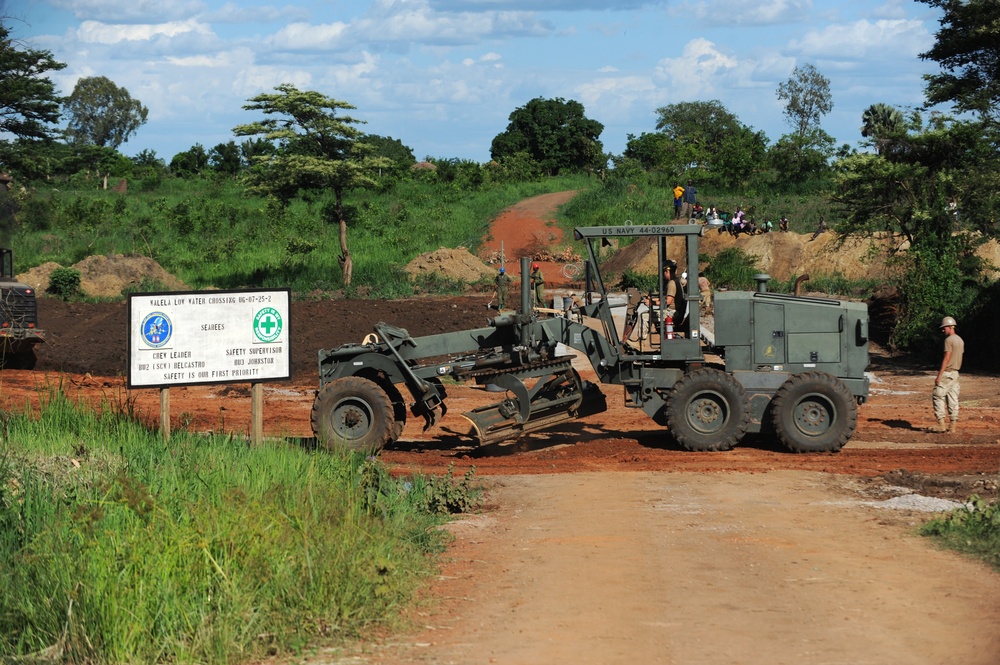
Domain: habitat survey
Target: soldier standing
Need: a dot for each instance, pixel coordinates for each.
(946, 388)
(502, 281)
(537, 285)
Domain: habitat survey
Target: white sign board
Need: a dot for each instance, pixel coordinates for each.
(198, 337)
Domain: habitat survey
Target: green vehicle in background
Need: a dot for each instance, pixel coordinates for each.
(19, 332)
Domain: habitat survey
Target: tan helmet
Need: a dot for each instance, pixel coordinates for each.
(948, 321)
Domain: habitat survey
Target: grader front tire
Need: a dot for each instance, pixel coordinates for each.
(353, 413)
(708, 410)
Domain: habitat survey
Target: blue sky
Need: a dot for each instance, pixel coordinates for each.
(444, 75)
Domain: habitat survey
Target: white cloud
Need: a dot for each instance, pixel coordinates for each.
(490, 59)
(891, 9)
(127, 11)
(305, 37)
(543, 5)
(419, 24)
(106, 33)
(236, 13)
(891, 39)
(613, 98)
(234, 58)
(253, 80)
(743, 12)
(701, 69)
(412, 23)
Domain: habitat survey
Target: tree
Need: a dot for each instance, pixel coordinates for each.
(225, 158)
(807, 98)
(102, 114)
(556, 134)
(392, 149)
(927, 182)
(250, 149)
(28, 101)
(968, 49)
(879, 123)
(147, 159)
(739, 156)
(797, 160)
(652, 150)
(189, 163)
(317, 149)
(707, 136)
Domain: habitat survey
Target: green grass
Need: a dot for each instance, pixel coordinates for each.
(118, 547)
(973, 529)
(620, 202)
(210, 233)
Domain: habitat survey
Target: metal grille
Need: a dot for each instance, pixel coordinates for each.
(18, 307)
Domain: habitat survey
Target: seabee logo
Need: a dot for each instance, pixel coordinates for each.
(267, 324)
(157, 329)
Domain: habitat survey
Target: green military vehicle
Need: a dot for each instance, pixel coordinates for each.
(782, 364)
(19, 331)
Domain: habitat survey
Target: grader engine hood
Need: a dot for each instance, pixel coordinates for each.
(782, 333)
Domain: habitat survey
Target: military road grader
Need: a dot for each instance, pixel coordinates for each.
(787, 365)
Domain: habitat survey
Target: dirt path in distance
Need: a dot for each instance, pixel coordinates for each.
(526, 228)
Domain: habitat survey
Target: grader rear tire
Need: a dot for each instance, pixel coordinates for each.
(353, 413)
(814, 412)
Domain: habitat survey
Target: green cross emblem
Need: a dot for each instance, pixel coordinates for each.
(267, 324)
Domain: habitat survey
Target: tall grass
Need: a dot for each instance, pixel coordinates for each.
(118, 547)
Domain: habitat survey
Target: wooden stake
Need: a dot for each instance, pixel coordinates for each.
(256, 414)
(165, 413)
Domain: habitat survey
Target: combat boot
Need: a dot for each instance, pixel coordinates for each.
(940, 428)
(954, 427)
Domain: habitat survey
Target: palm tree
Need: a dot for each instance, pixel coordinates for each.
(881, 122)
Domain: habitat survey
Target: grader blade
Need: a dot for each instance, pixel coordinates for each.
(557, 396)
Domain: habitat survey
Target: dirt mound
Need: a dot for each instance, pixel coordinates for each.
(108, 276)
(783, 256)
(455, 264)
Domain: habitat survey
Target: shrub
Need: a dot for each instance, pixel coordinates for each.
(733, 269)
(974, 528)
(64, 283)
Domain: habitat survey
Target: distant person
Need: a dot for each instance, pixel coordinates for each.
(537, 286)
(502, 281)
(689, 199)
(946, 388)
(739, 221)
(783, 223)
(676, 303)
(705, 289)
(678, 200)
(822, 228)
(642, 318)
